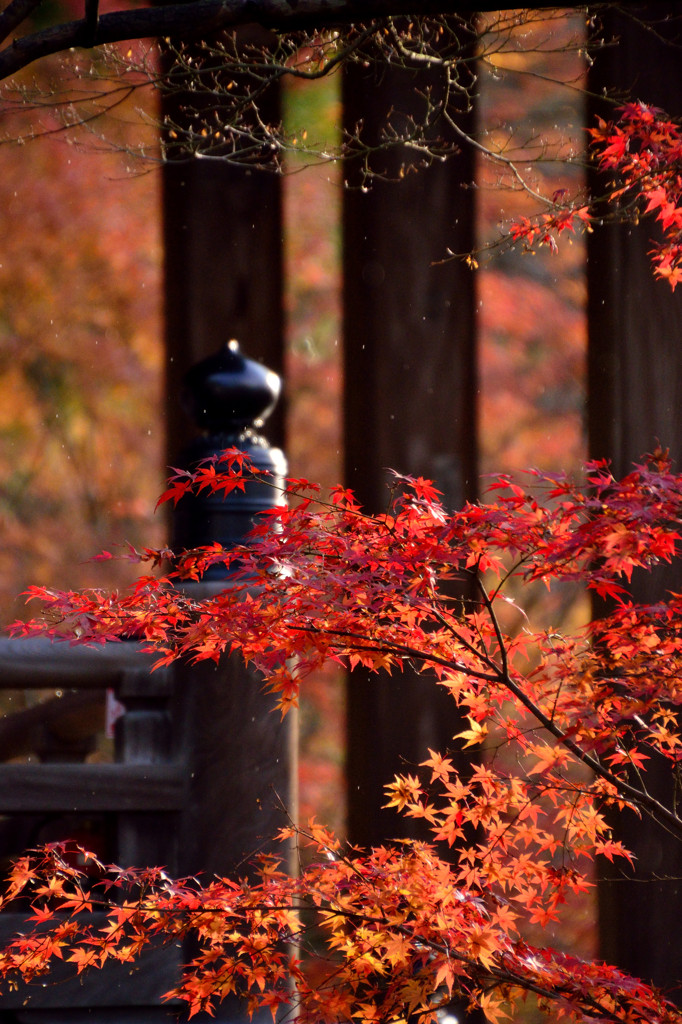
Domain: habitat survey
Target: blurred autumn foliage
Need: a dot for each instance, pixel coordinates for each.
(80, 361)
(532, 340)
(314, 383)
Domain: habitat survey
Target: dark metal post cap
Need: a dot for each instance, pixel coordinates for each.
(227, 392)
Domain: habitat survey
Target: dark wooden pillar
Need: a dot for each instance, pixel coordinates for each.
(635, 400)
(409, 403)
(222, 230)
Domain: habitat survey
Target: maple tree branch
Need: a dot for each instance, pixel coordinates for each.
(456, 635)
(504, 663)
(656, 810)
(402, 927)
(402, 650)
(502, 973)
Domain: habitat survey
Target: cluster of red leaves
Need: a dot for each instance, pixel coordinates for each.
(405, 929)
(641, 152)
(643, 149)
(400, 936)
(545, 229)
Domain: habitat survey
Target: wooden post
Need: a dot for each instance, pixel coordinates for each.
(635, 400)
(143, 738)
(240, 753)
(223, 272)
(409, 404)
(241, 762)
(223, 230)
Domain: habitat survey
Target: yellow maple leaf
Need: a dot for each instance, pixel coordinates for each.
(405, 789)
(492, 1007)
(484, 944)
(474, 735)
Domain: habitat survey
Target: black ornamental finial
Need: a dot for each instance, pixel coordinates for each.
(227, 392)
(229, 396)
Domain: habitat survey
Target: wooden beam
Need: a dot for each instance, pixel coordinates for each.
(40, 663)
(62, 788)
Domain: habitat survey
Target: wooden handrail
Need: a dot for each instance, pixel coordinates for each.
(40, 663)
(69, 788)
